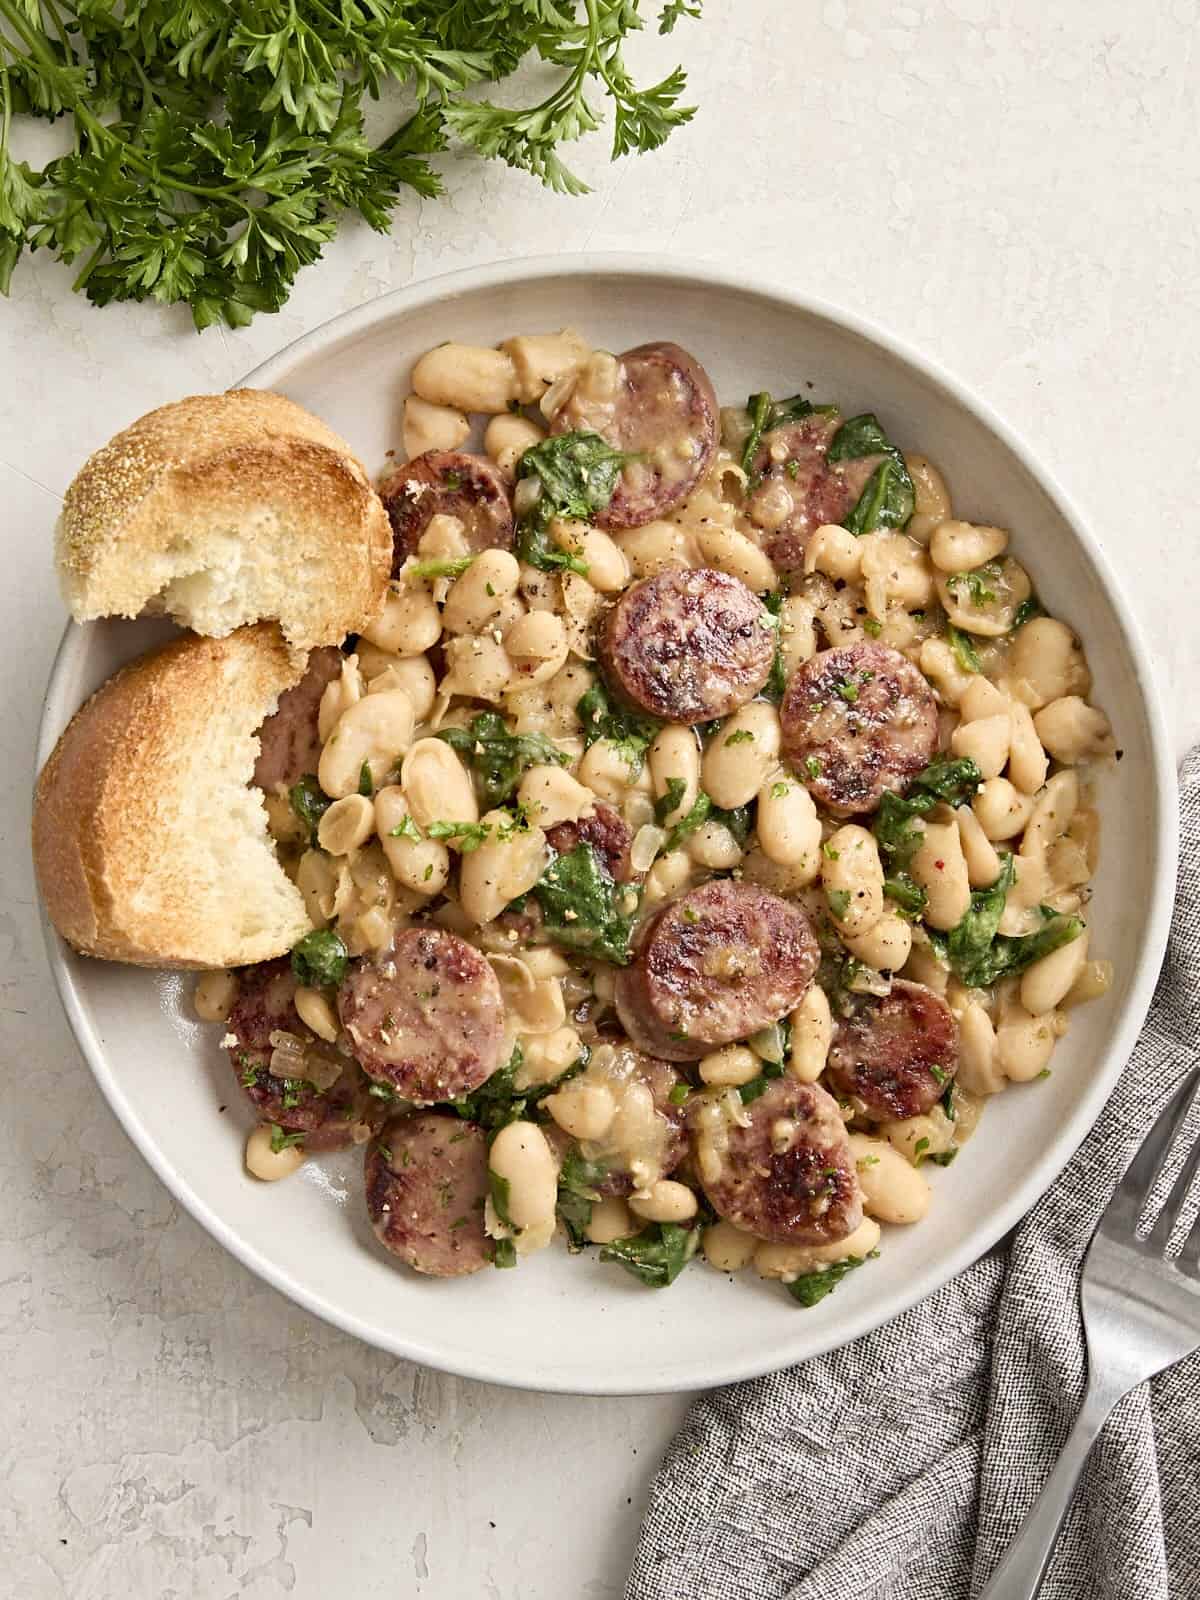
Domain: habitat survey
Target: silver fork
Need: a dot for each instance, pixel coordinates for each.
(1141, 1313)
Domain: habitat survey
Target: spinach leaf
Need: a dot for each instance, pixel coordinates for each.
(766, 414)
(666, 803)
(888, 499)
(759, 407)
(696, 817)
(750, 1092)
(578, 1191)
(498, 1188)
(283, 1141)
(736, 819)
(970, 940)
(657, 1255)
(1009, 955)
(310, 804)
(579, 902)
(604, 718)
(576, 474)
(964, 648)
(320, 959)
(955, 782)
(499, 758)
(814, 1286)
(498, 1101)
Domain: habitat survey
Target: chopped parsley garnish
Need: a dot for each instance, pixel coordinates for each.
(964, 649)
(366, 783)
(283, 1141)
(839, 902)
(976, 583)
(812, 766)
(872, 626)
(465, 836)
(406, 828)
(1029, 608)
(740, 736)
(320, 959)
(779, 791)
(445, 567)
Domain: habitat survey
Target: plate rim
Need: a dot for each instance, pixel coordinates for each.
(407, 1343)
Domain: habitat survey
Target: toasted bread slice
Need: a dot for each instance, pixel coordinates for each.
(149, 845)
(222, 510)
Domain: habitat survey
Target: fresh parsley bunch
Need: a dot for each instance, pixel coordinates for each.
(218, 143)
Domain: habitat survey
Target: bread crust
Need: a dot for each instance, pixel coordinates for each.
(249, 462)
(148, 844)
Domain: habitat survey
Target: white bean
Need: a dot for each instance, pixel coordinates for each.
(789, 830)
(214, 996)
(730, 551)
(797, 632)
(338, 694)
(655, 547)
(675, 760)
(546, 1056)
(1002, 810)
(1046, 661)
(429, 427)
(508, 437)
(734, 1065)
(437, 786)
(550, 795)
(477, 597)
(978, 1071)
(413, 676)
(963, 546)
(478, 667)
(466, 376)
(893, 1189)
(314, 1010)
(852, 876)
(835, 552)
(543, 359)
(727, 1248)
(607, 568)
(373, 734)
(1024, 1045)
(606, 771)
(1046, 984)
(1073, 731)
(521, 1157)
(346, 824)
(1052, 813)
(931, 498)
(940, 665)
(611, 1219)
(738, 760)
(269, 1165)
(537, 646)
(896, 574)
(983, 861)
(670, 875)
(422, 865)
(789, 1261)
(885, 947)
(1027, 764)
(667, 1201)
(713, 845)
(940, 867)
(409, 623)
(504, 866)
(812, 1034)
(985, 741)
(582, 1109)
(981, 698)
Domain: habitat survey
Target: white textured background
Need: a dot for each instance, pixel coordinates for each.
(1013, 186)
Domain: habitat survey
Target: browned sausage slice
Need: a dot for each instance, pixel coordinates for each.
(607, 834)
(663, 410)
(718, 964)
(427, 1182)
(856, 721)
(425, 1016)
(797, 490)
(788, 1176)
(262, 1017)
(456, 485)
(688, 646)
(288, 743)
(896, 1053)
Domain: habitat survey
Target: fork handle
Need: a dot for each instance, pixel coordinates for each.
(1020, 1574)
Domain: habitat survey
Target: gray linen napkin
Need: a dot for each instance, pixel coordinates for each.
(902, 1465)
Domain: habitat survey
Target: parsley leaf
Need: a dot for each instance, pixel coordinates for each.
(216, 148)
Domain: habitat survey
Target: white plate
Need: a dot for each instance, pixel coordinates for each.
(569, 1323)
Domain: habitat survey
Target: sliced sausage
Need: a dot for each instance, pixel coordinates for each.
(796, 490)
(788, 1175)
(718, 964)
(607, 834)
(895, 1053)
(857, 721)
(456, 485)
(425, 1016)
(330, 1117)
(427, 1183)
(688, 646)
(661, 408)
(288, 743)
